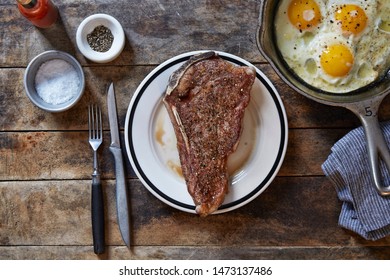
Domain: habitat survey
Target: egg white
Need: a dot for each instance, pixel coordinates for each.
(374, 47)
(383, 21)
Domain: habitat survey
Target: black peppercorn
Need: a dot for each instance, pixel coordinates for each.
(100, 39)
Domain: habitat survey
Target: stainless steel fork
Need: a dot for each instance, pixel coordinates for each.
(95, 128)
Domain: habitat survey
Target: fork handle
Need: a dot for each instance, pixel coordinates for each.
(97, 218)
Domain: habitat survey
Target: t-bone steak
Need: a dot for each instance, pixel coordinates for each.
(206, 100)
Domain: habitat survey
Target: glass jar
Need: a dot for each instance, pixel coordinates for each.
(41, 13)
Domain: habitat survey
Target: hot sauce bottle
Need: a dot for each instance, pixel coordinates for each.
(41, 13)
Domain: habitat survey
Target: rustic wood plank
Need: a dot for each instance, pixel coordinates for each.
(18, 113)
(50, 213)
(53, 155)
(154, 32)
(194, 253)
(63, 155)
(45, 185)
(307, 149)
(293, 211)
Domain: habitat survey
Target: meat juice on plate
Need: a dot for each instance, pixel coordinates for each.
(165, 140)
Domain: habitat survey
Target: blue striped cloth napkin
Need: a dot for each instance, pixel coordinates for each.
(363, 210)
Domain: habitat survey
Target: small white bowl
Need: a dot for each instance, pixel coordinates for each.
(88, 25)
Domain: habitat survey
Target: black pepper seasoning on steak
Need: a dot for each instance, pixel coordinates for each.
(206, 99)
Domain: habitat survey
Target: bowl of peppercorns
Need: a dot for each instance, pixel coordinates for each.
(100, 38)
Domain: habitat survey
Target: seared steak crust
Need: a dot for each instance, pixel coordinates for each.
(206, 99)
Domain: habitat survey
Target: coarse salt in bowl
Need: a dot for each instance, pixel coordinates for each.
(87, 27)
(54, 81)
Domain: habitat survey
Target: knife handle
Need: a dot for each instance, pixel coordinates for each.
(97, 218)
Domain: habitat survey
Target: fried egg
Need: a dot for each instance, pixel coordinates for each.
(335, 45)
(352, 18)
(298, 23)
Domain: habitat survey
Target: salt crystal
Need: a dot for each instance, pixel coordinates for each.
(57, 81)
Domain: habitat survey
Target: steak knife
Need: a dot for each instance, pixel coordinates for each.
(122, 202)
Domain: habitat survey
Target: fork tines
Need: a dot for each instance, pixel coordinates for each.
(95, 122)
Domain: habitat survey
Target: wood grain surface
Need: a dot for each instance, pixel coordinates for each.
(46, 161)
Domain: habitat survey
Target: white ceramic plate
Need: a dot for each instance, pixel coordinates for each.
(151, 142)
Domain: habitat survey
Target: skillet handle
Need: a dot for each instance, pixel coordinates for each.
(376, 144)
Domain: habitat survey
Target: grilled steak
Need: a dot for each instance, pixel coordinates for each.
(206, 99)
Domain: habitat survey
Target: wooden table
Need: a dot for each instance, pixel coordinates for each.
(46, 161)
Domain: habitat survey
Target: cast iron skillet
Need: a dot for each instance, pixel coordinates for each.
(364, 102)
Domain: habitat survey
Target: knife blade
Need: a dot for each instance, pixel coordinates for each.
(122, 201)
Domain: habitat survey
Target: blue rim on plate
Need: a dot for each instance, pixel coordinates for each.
(266, 123)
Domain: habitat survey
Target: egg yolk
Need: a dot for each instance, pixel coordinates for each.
(337, 60)
(352, 18)
(304, 14)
